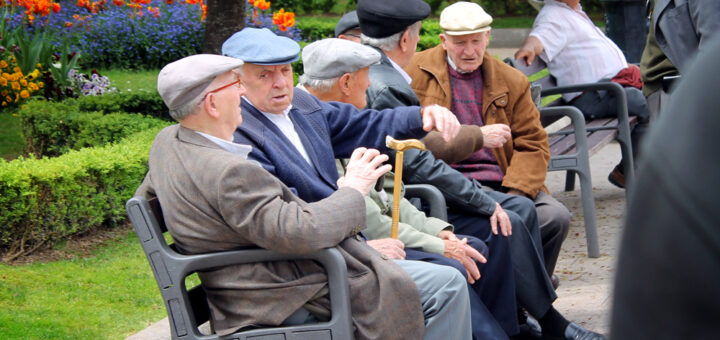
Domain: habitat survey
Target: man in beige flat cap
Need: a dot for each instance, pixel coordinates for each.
(481, 90)
(214, 199)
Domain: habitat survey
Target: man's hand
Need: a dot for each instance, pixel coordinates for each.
(530, 49)
(528, 55)
(363, 170)
(461, 251)
(390, 247)
(495, 135)
(441, 119)
(500, 217)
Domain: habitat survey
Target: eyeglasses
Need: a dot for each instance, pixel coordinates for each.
(236, 82)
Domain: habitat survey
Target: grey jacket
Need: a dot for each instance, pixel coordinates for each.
(682, 27)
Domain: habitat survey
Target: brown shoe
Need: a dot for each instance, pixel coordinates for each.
(616, 177)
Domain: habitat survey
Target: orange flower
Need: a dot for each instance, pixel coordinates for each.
(262, 4)
(24, 94)
(118, 2)
(283, 19)
(56, 7)
(68, 24)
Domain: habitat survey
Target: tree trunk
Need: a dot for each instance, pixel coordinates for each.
(224, 18)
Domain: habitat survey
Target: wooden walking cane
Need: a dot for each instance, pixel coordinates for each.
(399, 146)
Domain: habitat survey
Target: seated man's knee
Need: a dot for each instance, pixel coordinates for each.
(637, 104)
(477, 244)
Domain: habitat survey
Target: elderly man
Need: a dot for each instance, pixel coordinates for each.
(297, 137)
(214, 199)
(337, 70)
(348, 27)
(578, 52)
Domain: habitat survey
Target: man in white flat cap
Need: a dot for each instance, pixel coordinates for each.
(215, 199)
(481, 90)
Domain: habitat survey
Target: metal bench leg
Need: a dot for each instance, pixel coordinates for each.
(570, 180)
(588, 201)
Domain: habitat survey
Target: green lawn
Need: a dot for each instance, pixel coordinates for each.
(108, 295)
(134, 80)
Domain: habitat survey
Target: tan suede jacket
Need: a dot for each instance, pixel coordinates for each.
(506, 100)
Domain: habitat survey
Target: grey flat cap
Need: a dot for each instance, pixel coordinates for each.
(331, 58)
(184, 80)
(347, 22)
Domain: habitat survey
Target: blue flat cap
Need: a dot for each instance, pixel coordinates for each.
(262, 47)
(381, 19)
(347, 22)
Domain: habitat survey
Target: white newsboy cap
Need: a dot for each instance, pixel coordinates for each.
(184, 80)
(331, 58)
(463, 18)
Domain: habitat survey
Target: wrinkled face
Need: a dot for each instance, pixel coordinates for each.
(269, 88)
(466, 51)
(359, 83)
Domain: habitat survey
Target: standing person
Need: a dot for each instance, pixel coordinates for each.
(481, 90)
(214, 199)
(578, 52)
(669, 261)
(337, 70)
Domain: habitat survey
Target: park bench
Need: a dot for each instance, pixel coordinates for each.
(574, 141)
(188, 309)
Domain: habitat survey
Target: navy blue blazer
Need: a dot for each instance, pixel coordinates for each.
(327, 131)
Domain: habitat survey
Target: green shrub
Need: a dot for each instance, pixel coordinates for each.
(316, 28)
(149, 103)
(44, 200)
(51, 129)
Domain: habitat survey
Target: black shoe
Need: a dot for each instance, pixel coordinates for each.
(576, 332)
(616, 177)
(555, 280)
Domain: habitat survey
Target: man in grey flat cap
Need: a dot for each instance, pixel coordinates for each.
(482, 90)
(214, 199)
(348, 27)
(337, 70)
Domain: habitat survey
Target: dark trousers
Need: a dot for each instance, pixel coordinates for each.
(601, 104)
(533, 288)
(492, 298)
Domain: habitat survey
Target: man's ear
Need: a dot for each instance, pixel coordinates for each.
(405, 40)
(210, 107)
(443, 38)
(345, 84)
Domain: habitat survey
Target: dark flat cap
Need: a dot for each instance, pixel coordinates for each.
(383, 18)
(262, 47)
(347, 22)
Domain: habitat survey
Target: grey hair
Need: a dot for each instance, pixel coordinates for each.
(185, 110)
(392, 42)
(319, 85)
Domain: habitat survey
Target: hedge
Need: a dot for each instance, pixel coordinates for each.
(45, 200)
(52, 129)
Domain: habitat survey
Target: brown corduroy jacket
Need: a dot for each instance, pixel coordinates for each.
(506, 100)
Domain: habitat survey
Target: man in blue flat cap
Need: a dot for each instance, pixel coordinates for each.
(348, 27)
(297, 137)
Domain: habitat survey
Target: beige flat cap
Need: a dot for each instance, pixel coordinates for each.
(463, 18)
(184, 80)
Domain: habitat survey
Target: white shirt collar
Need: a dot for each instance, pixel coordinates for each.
(452, 64)
(241, 150)
(402, 72)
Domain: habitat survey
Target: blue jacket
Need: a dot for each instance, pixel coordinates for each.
(327, 131)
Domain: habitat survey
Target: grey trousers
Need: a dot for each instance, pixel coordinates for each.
(444, 297)
(554, 223)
